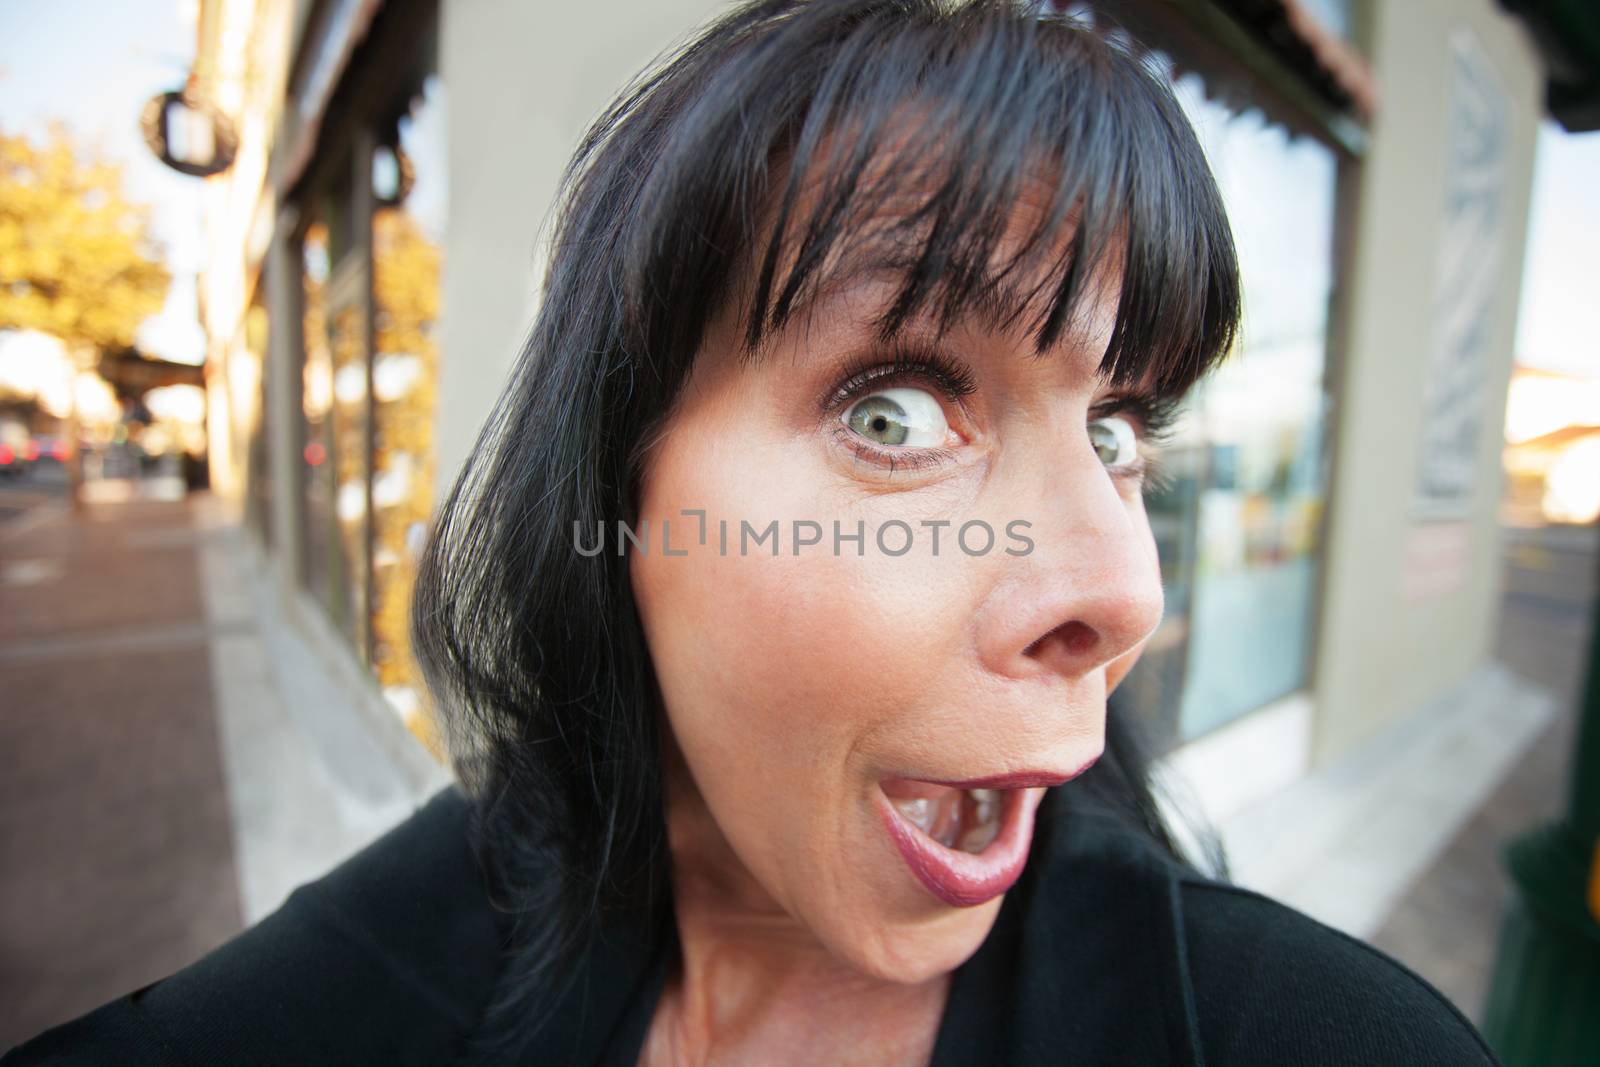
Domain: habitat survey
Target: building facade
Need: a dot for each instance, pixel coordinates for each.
(1329, 535)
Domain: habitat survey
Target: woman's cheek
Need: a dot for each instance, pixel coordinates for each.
(789, 648)
(1119, 668)
(792, 654)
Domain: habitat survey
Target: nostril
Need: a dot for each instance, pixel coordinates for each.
(1076, 638)
(1079, 637)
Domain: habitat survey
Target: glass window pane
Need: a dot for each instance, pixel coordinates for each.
(1261, 480)
(407, 242)
(321, 563)
(348, 345)
(335, 460)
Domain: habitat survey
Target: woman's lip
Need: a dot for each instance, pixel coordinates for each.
(1016, 779)
(964, 879)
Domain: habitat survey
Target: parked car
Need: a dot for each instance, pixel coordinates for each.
(56, 448)
(16, 449)
(12, 463)
(47, 456)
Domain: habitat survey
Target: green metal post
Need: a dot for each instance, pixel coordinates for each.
(1584, 805)
(1544, 1000)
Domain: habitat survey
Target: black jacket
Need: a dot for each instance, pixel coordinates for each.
(1127, 959)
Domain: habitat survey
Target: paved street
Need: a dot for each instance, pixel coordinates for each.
(39, 488)
(114, 829)
(17, 500)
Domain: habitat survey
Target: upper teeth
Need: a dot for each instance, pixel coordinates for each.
(968, 818)
(919, 811)
(988, 802)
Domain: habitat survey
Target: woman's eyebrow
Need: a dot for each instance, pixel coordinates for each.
(993, 304)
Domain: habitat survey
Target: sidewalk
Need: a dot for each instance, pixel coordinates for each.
(178, 756)
(115, 833)
(1447, 926)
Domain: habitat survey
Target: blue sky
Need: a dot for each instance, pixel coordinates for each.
(93, 63)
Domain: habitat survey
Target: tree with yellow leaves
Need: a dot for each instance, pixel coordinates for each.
(76, 257)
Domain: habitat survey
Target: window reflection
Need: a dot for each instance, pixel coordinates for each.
(1261, 418)
(407, 238)
(1237, 525)
(334, 399)
(322, 570)
(348, 345)
(371, 257)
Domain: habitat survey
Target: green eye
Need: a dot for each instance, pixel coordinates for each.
(911, 417)
(1114, 441)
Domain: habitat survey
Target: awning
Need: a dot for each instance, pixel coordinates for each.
(1567, 33)
(131, 373)
(1333, 68)
(1269, 53)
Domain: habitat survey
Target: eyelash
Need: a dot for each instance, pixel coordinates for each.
(869, 372)
(1157, 416)
(905, 359)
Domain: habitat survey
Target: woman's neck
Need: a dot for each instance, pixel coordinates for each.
(752, 985)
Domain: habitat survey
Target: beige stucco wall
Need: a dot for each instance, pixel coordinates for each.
(1381, 652)
(523, 82)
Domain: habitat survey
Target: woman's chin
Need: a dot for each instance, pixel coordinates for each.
(914, 952)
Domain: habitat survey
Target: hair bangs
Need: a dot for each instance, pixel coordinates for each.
(995, 165)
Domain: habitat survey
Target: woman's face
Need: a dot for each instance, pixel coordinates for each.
(823, 698)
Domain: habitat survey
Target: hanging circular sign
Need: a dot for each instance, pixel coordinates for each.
(188, 134)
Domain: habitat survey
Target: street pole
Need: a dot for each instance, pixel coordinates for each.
(1544, 998)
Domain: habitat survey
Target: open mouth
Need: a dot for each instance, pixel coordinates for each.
(965, 819)
(965, 844)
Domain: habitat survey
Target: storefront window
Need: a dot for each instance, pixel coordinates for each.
(348, 345)
(321, 560)
(409, 174)
(1237, 521)
(334, 398)
(1261, 482)
(375, 199)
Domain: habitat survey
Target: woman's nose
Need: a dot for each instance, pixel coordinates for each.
(1087, 592)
